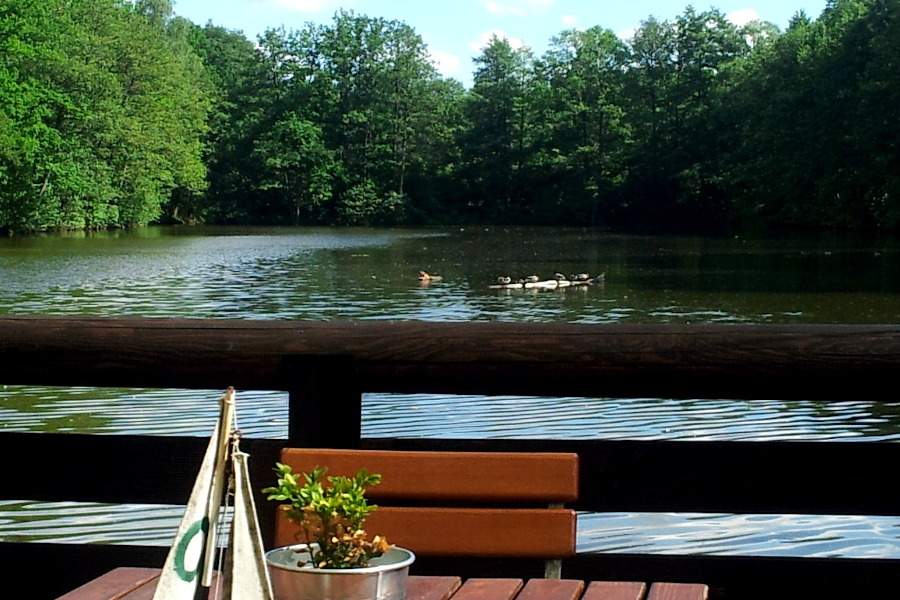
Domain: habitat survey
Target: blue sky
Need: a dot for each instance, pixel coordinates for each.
(456, 30)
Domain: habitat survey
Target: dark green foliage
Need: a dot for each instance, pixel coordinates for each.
(825, 99)
(115, 113)
(240, 103)
(681, 127)
(579, 160)
(294, 162)
(102, 105)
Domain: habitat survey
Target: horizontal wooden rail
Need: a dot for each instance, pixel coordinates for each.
(826, 362)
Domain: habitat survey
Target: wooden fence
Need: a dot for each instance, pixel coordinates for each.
(326, 366)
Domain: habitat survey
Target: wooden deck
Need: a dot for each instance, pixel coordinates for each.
(326, 367)
(129, 583)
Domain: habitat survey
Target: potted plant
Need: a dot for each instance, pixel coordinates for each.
(338, 561)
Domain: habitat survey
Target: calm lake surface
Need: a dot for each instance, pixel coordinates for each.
(331, 274)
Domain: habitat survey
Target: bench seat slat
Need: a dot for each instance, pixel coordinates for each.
(432, 531)
(523, 477)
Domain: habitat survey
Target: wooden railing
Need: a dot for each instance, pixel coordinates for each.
(326, 367)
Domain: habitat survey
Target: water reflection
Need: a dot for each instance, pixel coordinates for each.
(372, 274)
(748, 535)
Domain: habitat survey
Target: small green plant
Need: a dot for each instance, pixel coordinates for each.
(330, 515)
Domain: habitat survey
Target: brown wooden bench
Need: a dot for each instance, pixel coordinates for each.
(462, 504)
(451, 504)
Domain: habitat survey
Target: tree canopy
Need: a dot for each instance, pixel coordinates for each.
(103, 106)
(116, 113)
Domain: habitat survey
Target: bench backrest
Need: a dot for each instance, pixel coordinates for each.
(463, 504)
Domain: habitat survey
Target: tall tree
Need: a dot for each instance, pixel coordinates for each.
(367, 83)
(821, 149)
(678, 70)
(582, 156)
(27, 107)
(297, 165)
(876, 117)
(495, 141)
(243, 103)
(116, 117)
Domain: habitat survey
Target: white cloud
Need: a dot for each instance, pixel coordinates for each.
(485, 38)
(742, 17)
(569, 20)
(446, 63)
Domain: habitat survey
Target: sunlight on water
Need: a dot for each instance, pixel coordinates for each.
(325, 274)
(264, 414)
(749, 535)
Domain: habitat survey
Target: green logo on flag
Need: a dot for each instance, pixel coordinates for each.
(201, 526)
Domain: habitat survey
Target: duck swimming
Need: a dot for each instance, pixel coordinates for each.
(533, 281)
(559, 281)
(506, 283)
(542, 284)
(423, 276)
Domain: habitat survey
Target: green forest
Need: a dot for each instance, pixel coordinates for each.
(120, 114)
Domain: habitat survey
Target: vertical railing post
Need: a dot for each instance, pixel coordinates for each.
(325, 402)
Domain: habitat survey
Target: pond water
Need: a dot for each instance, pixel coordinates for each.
(331, 274)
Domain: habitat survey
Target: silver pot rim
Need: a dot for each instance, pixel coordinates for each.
(401, 558)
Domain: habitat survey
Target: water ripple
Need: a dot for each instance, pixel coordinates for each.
(325, 274)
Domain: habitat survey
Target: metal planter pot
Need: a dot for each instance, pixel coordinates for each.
(384, 579)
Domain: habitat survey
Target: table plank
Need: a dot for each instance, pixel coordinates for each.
(615, 590)
(145, 592)
(426, 587)
(678, 591)
(114, 585)
(135, 583)
(488, 589)
(551, 589)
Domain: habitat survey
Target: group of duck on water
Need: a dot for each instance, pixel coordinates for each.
(559, 280)
(532, 281)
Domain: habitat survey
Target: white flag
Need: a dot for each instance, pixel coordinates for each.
(183, 570)
(247, 577)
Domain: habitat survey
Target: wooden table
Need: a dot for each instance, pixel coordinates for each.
(133, 583)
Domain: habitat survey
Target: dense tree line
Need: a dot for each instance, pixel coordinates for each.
(102, 113)
(117, 113)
